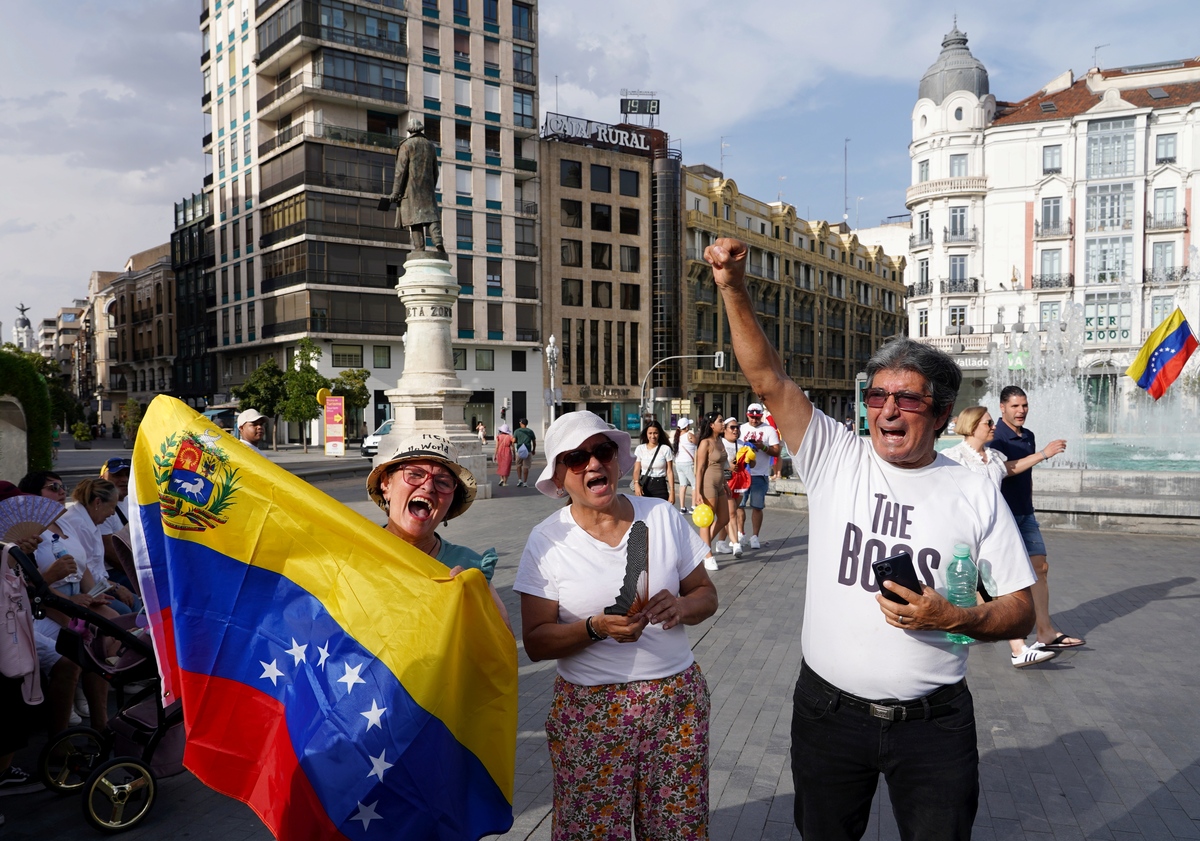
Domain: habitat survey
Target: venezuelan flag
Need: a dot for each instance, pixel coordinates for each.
(332, 676)
(1162, 358)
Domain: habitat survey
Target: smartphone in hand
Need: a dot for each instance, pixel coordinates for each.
(898, 568)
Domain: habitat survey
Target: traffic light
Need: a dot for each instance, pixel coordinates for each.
(719, 360)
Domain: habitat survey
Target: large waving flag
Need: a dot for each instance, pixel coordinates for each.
(332, 676)
(1162, 358)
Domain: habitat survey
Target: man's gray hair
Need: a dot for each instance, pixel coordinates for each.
(940, 371)
(416, 124)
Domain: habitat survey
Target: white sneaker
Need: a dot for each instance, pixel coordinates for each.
(710, 563)
(754, 544)
(722, 548)
(737, 550)
(1033, 654)
(81, 704)
(74, 719)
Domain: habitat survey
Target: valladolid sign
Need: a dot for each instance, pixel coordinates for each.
(573, 128)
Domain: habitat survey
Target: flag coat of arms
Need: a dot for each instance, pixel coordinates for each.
(1161, 359)
(332, 676)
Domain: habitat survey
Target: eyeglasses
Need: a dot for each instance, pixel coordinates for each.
(906, 401)
(577, 460)
(990, 423)
(443, 483)
(54, 486)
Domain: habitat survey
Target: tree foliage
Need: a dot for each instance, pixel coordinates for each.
(65, 409)
(19, 378)
(301, 384)
(263, 390)
(131, 418)
(352, 385)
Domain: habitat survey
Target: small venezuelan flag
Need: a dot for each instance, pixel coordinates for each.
(332, 676)
(1162, 358)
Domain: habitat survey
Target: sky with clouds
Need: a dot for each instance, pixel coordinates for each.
(101, 123)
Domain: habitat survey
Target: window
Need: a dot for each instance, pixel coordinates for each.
(1164, 149)
(922, 323)
(493, 229)
(522, 17)
(601, 217)
(572, 252)
(465, 271)
(958, 316)
(1052, 262)
(924, 230)
(601, 294)
(572, 292)
(460, 359)
(493, 187)
(1051, 215)
(631, 258)
(601, 179)
(485, 359)
(495, 274)
(1110, 148)
(1110, 207)
(462, 137)
(630, 220)
(958, 269)
(1051, 160)
(465, 226)
(432, 87)
(572, 213)
(1107, 317)
(570, 173)
(1050, 312)
(958, 166)
(523, 65)
(922, 172)
(462, 92)
(491, 98)
(462, 182)
(462, 43)
(1108, 259)
(346, 356)
(601, 255)
(1164, 208)
(958, 222)
(628, 183)
(519, 361)
(491, 11)
(923, 271)
(1160, 307)
(526, 237)
(383, 356)
(495, 317)
(958, 113)
(523, 116)
(466, 319)
(631, 296)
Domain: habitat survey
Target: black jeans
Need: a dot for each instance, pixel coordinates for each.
(931, 766)
(655, 486)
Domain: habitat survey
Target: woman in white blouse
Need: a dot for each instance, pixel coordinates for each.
(653, 468)
(977, 428)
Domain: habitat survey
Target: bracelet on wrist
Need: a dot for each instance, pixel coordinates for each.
(592, 633)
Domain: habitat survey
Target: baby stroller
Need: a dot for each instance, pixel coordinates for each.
(116, 770)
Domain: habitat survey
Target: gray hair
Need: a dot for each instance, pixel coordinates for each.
(940, 371)
(416, 125)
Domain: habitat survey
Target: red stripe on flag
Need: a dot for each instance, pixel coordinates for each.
(1172, 369)
(264, 774)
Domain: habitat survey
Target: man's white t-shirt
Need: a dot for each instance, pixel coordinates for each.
(862, 509)
(763, 435)
(653, 459)
(565, 564)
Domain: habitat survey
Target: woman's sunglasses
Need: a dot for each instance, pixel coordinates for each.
(577, 460)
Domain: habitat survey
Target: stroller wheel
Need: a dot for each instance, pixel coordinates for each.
(69, 758)
(119, 794)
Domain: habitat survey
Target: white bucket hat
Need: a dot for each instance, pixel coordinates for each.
(426, 447)
(568, 433)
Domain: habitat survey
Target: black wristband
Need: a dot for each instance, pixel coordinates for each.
(592, 633)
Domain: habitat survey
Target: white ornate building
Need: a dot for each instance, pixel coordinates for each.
(1076, 200)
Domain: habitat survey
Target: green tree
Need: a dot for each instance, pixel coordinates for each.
(266, 391)
(19, 378)
(352, 385)
(301, 384)
(131, 419)
(65, 408)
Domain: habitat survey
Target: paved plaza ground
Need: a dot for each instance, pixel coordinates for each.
(1102, 743)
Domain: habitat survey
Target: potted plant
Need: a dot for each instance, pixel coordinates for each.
(82, 433)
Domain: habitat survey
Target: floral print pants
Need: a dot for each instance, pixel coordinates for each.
(631, 752)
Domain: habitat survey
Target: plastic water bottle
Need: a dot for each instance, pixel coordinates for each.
(59, 551)
(962, 577)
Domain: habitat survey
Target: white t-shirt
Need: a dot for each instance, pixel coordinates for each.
(731, 448)
(563, 563)
(994, 468)
(644, 453)
(862, 509)
(115, 525)
(78, 523)
(763, 435)
(687, 448)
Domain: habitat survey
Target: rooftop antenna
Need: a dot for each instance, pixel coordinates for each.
(556, 93)
(782, 178)
(1096, 54)
(846, 180)
(724, 146)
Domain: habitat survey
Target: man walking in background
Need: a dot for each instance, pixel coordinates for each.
(1016, 442)
(526, 443)
(764, 440)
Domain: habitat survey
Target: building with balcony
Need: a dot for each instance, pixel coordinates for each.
(305, 103)
(135, 329)
(1074, 200)
(193, 260)
(825, 299)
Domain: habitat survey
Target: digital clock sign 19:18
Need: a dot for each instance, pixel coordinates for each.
(639, 106)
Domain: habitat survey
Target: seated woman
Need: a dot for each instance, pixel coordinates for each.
(628, 726)
(422, 486)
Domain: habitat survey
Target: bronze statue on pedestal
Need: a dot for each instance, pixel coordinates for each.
(414, 188)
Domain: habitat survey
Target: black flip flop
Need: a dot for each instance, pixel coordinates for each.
(1059, 644)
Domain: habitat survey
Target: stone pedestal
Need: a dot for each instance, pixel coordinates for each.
(429, 396)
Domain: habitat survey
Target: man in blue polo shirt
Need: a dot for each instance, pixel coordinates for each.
(1016, 442)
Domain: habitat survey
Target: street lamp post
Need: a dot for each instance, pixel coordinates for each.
(552, 364)
(718, 359)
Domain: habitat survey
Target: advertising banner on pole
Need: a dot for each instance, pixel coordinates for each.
(335, 426)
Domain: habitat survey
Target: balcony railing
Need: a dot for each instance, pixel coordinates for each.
(1166, 221)
(334, 325)
(345, 37)
(705, 334)
(326, 131)
(956, 286)
(334, 229)
(1124, 223)
(526, 164)
(523, 33)
(371, 281)
(1166, 275)
(524, 77)
(920, 288)
(960, 186)
(527, 208)
(528, 334)
(1052, 281)
(1053, 231)
(527, 249)
(920, 240)
(323, 81)
(961, 236)
(706, 293)
(337, 181)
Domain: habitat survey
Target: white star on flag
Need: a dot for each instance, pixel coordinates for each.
(297, 651)
(374, 715)
(270, 670)
(351, 677)
(323, 651)
(366, 814)
(378, 766)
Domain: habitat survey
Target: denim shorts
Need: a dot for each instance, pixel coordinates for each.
(686, 474)
(756, 496)
(1027, 524)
